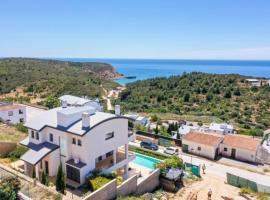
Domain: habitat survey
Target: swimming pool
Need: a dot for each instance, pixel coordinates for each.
(145, 161)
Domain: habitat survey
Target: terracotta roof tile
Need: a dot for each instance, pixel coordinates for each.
(203, 138)
(242, 142)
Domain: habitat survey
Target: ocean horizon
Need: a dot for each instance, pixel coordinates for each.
(151, 68)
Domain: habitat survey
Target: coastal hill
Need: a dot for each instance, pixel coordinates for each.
(43, 77)
(221, 97)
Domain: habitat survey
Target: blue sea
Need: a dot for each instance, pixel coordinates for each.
(149, 68)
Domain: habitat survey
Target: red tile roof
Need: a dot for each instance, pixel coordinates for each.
(242, 142)
(203, 138)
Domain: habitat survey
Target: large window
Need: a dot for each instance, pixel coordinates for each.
(109, 135)
(73, 174)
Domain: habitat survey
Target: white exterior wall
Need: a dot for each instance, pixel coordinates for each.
(93, 144)
(53, 161)
(16, 116)
(240, 154)
(206, 151)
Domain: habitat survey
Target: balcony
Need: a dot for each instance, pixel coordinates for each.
(131, 135)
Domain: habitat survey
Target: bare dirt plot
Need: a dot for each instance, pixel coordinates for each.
(11, 134)
(220, 190)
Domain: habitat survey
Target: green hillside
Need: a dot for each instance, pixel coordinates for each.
(51, 77)
(225, 97)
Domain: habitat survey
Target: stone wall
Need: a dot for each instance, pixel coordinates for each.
(133, 185)
(106, 192)
(149, 183)
(6, 147)
(127, 187)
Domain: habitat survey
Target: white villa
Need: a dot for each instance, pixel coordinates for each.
(12, 113)
(253, 82)
(70, 100)
(80, 138)
(221, 128)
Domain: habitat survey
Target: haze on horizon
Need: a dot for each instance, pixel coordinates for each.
(210, 29)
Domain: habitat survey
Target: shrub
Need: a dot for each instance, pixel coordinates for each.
(9, 188)
(44, 179)
(98, 182)
(245, 190)
(119, 180)
(21, 127)
(17, 153)
(172, 162)
(60, 180)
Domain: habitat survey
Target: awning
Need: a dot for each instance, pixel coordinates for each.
(37, 151)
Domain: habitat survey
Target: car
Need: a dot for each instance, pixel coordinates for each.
(171, 150)
(149, 145)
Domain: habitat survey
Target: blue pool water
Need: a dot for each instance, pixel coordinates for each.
(145, 161)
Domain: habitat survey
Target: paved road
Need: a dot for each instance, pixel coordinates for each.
(221, 169)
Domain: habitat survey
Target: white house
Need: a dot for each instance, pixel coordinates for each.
(80, 138)
(240, 147)
(253, 82)
(185, 129)
(70, 100)
(138, 119)
(202, 144)
(223, 128)
(12, 113)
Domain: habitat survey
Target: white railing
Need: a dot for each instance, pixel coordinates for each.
(120, 164)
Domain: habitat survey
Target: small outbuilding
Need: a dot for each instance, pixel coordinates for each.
(240, 147)
(202, 144)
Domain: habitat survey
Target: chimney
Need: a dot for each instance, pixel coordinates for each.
(85, 120)
(117, 109)
(64, 104)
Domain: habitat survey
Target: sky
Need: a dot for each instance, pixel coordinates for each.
(178, 29)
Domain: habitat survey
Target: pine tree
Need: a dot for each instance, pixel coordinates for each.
(60, 180)
(44, 179)
(34, 172)
(156, 130)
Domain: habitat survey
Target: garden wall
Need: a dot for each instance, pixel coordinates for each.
(106, 192)
(6, 147)
(238, 181)
(127, 187)
(149, 183)
(133, 185)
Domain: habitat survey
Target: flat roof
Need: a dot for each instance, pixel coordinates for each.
(49, 119)
(73, 100)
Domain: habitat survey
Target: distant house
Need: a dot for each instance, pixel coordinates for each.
(240, 147)
(74, 101)
(223, 128)
(12, 113)
(202, 144)
(138, 119)
(254, 82)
